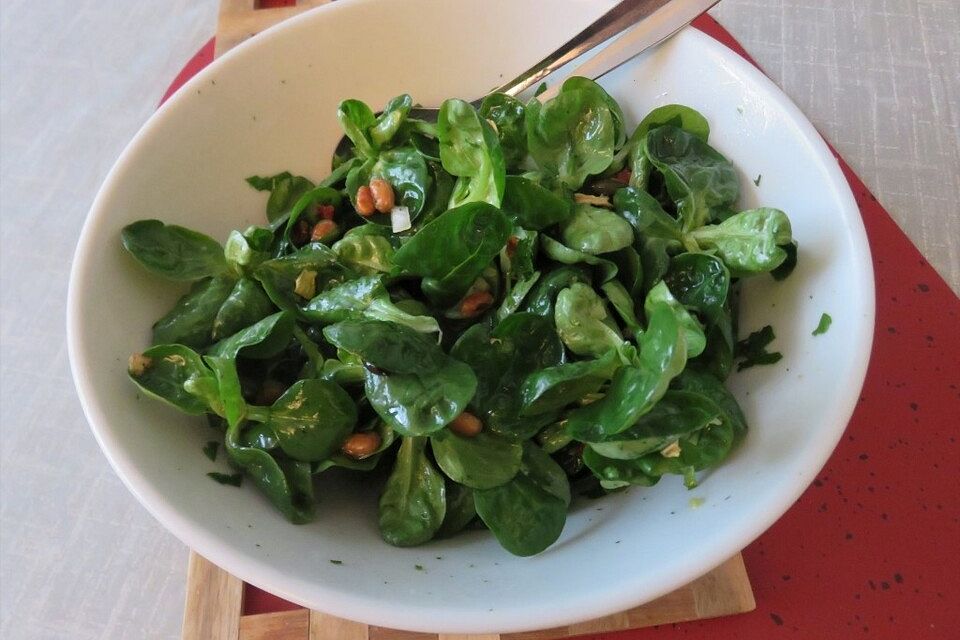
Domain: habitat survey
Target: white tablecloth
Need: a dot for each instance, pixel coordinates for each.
(80, 558)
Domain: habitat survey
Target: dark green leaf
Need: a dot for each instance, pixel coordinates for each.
(415, 387)
(646, 215)
(191, 320)
(533, 207)
(460, 509)
(210, 450)
(260, 436)
(635, 389)
(752, 350)
(452, 251)
(312, 419)
(701, 282)
(507, 115)
(709, 385)
(162, 371)
(542, 299)
(173, 252)
(262, 340)
(789, 264)
(231, 479)
(439, 196)
(246, 305)
(285, 189)
(528, 513)
(502, 359)
(279, 276)
(553, 388)
(614, 474)
(629, 270)
(676, 415)
(406, 171)
(697, 178)
(413, 503)
(363, 299)
(480, 462)
(287, 484)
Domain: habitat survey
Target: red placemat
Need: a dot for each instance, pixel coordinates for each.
(871, 548)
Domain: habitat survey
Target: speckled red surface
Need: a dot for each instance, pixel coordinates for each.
(872, 548)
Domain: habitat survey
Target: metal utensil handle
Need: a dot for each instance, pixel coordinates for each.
(621, 16)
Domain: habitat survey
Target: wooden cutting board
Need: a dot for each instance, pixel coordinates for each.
(215, 599)
(214, 611)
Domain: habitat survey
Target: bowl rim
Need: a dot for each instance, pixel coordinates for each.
(598, 601)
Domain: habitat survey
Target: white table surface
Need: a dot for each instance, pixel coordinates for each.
(80, 558)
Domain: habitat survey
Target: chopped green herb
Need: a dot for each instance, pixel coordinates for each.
(418, 567)
(788, 265)
(210, 450)
(232, 479)
(336, 562)
(824, 325)
(753, 350)
(758, 179)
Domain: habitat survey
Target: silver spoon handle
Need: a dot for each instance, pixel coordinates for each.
(622, 16)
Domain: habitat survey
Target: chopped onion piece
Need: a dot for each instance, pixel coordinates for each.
(400, 219)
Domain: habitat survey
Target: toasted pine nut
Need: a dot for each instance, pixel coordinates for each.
(324, 231)
(138, 364)
(475, 303)
(596, 201)
(361, 445)
(672, 450)
(466, 425)
(365, 205)
(383, 197)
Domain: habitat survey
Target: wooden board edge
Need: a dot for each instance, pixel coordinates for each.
(281, 625)
(326, 627)
(214, 602)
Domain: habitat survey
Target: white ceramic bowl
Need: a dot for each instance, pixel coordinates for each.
(270, 105)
